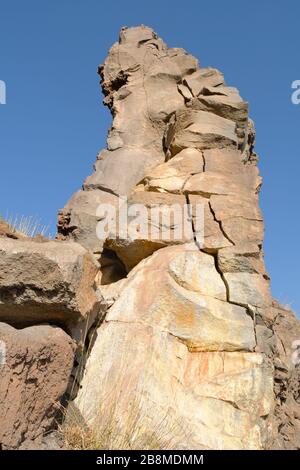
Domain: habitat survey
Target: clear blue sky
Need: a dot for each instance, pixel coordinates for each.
(54, 123)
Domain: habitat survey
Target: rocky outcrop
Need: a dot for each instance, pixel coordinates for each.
(283, 347)
(46, 287)
(190, 336)
(33, 379)
(157, 275)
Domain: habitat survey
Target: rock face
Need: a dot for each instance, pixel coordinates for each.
(33, 379)
(191, 337)
(46, 282)
(41, 283)
(183, 354)
(158, 275)
(282, 347)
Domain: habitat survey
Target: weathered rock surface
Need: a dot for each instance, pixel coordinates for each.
(187, 305)
(205, 400)
(184, 354)
(283, 347)
(46, 282)
(79, 215)
(34, 375)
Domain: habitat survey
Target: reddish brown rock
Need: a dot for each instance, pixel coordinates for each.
(35, 367)
(46, 282)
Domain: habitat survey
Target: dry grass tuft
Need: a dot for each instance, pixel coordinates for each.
(28, 226)
(110, 432)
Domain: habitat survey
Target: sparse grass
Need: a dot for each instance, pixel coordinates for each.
(118, 425)
(115, 430)
(28, 226)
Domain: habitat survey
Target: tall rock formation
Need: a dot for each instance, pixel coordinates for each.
(190, 340)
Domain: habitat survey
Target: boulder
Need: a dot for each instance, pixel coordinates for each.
(34, 374)
(46, 282)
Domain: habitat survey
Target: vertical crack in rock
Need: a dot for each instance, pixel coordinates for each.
(219, 222)
(248, 309)
(204, 162)
(190, 215)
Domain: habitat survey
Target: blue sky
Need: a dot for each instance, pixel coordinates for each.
(54, 123)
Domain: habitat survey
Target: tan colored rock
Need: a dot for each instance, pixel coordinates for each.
(205, 400)
(225, 161)
(226, 207)
(209, 183)
(242, 258)
(172, 175)
(240, 230)
(231, 162)
(134, 70)
(214, 236)
(79, 220)
(184, 269)
(198, 221)
(199, 320)
(118, 172)
(163, 220)
(200, 129)
(206, 77)
(227, 103)
(248, 289)
(33, 379)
